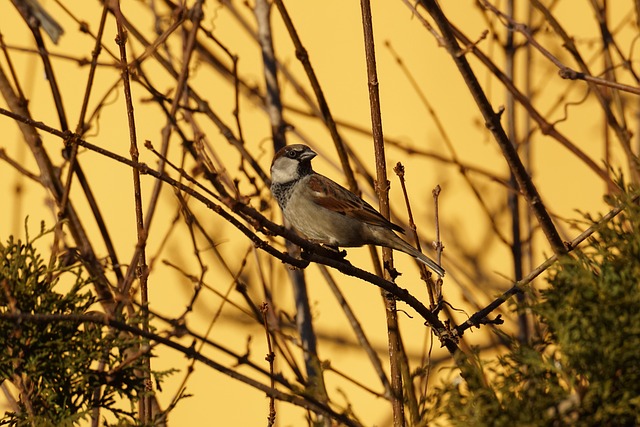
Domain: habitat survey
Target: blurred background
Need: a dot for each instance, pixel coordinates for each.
(200, 111)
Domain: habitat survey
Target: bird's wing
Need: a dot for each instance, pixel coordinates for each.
(334, 197)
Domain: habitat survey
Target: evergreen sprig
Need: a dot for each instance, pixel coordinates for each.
(584, 368)
(55, 365)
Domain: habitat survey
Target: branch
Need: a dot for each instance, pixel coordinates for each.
(397, 356)
(492, 119)
(313, 252)
(102, 319)
(479, 317)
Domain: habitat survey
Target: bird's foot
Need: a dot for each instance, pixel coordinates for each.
(336, 250)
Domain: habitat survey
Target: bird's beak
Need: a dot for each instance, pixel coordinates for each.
(308, 155)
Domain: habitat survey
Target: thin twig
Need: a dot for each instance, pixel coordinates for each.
(140, 266)
(271, 418)
(396, 355)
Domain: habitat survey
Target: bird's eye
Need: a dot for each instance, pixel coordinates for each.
(292, 154)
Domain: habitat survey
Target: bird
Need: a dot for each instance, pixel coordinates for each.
(325, 212)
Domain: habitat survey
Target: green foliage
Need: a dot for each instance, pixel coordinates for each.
(53, 363)
(585, 369)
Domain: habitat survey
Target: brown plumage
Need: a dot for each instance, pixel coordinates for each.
(325, 212)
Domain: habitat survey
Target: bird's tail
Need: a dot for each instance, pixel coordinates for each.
(429, 263)
(407, 248)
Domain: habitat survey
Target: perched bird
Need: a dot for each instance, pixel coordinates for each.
(325, 212)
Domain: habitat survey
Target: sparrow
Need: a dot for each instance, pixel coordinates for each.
(325, 212)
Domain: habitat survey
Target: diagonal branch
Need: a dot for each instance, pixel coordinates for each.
(520, 285)
(492, 120)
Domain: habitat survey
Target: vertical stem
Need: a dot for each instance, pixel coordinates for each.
(271, 355)
(512, 197)
(141, 266)
(382, 189)
(262, 11)
(315, 379)
(80, 127)
(526, 151)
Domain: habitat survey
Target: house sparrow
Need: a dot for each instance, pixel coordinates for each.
(325, 212)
